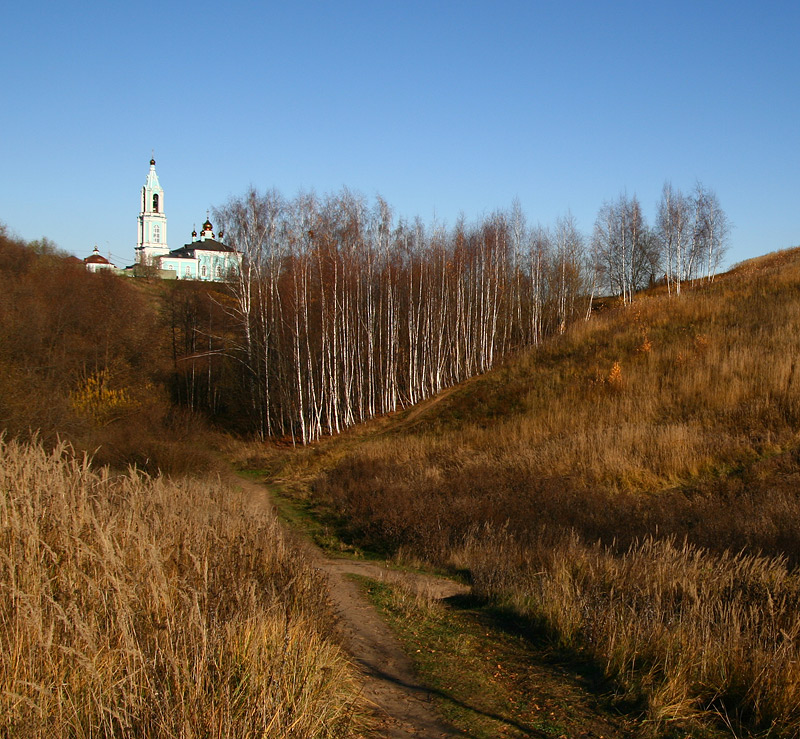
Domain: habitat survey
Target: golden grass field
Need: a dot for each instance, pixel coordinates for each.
(135, 607)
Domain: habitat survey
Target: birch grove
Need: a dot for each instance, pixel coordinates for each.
(692, 231)
(345, 312)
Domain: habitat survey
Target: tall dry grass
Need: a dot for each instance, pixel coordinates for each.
(683, 630)
(135, 607)
(581, 464)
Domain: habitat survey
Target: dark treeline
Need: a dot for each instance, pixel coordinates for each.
(96, 359)
(344, 313)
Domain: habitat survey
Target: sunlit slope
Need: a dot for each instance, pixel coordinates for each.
(631, 490)
(648, 394)
(683, 399)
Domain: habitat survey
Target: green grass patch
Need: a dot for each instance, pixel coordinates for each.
(256, 475)
(304, 516)
(490, 680)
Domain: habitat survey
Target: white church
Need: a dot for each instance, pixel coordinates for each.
(206, 258)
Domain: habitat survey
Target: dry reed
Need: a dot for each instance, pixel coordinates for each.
(686, 631)
(135, 607)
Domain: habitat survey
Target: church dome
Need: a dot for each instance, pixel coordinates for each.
(96, 258)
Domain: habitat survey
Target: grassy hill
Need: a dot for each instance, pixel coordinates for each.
(648, 416)
(628, 491)
(630, 488)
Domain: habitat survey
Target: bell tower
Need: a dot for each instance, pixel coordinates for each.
(151, 240)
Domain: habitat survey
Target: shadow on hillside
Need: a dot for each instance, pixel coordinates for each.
(577, 695)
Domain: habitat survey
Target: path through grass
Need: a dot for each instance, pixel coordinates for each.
(491, 679)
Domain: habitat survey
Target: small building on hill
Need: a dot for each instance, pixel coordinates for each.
(97, 262)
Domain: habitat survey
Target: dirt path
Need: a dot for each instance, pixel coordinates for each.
(420, 408)
(561, 701)
(403, 706)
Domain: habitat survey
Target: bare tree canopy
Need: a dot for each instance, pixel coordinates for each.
(345, 312)
(625, 249)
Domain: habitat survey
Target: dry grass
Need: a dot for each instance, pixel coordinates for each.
(685, 631)
(564, 480)
(136, 607)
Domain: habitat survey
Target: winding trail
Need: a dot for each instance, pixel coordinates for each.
(402, 705)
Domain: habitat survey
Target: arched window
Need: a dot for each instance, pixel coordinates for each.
(155, 202)
(203, 271)
(156, 233)
(219, 272)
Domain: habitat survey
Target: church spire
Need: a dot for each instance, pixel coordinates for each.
(151, 241)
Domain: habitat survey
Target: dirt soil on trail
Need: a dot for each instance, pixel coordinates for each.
(403, 707)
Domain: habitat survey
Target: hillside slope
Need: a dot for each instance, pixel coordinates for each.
(644, 417)
(629, 489)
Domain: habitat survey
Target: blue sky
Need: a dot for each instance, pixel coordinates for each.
(440, 107)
